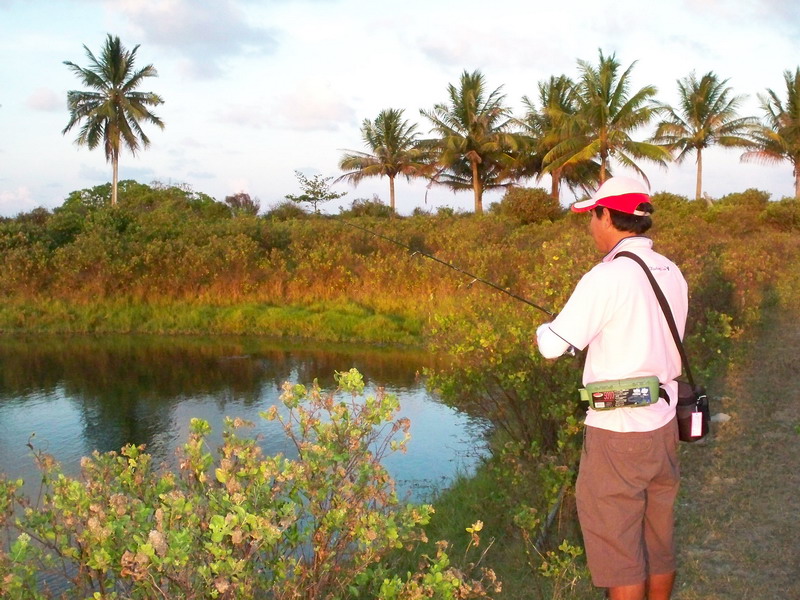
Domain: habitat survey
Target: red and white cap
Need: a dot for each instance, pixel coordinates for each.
(619, 193)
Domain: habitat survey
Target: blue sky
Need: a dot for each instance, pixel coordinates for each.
(255, 90)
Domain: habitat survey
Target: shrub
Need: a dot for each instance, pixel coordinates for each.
(64, 226)
(285, 211)
(528, 205)
(783, 215)
(445, 211)
(496, 373)
(739, 212)
(366, 207)
(242, 204)
(751, 198)
(666, 201)
(238, 525)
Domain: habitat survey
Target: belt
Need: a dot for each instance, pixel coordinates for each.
(662, 393)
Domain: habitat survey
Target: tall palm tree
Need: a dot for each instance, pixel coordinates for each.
(112, 110)
(476, 138)
(606, 113)
(546, 128)
(393, 151)
(779, 139)
(706, 115)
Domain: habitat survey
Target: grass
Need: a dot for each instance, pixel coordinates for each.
(326, 322)
(482, 497)
(737, 533)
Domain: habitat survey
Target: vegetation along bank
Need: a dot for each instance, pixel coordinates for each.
(171, 260)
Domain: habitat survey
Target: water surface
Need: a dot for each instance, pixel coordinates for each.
(79, 394)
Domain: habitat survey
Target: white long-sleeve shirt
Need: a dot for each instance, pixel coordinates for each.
(615, 312)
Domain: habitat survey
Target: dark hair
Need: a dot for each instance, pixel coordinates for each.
(627, 222)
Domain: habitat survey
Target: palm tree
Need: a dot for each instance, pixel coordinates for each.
(606, 114)
(779, 139)
(393, 151)
(112, 110)
(546, 127)
(706, 115)
(476, 139)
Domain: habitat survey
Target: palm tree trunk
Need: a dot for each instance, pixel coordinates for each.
(391, 193)
(797, 181)
(555, 186)
(603, 155)
(477, 189)
(698, 190)
(115, 170)
(602, 168)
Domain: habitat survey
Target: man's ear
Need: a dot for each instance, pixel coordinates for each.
(605, 219)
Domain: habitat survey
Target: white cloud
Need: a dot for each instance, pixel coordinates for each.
(250, 116)
(94, 174)
(312, 107)
(138, 173)
(204, 33)
(240, 184)
(190, 142)
(202, 175)
(46, 100)
(16, 201)
(495, 50)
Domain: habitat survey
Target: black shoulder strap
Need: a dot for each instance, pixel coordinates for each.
(662, 300)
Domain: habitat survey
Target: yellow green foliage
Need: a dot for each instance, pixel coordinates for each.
(234, 523)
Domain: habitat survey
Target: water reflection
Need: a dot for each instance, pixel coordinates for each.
(79, 394)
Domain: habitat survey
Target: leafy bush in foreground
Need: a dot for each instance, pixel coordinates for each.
(240, 525)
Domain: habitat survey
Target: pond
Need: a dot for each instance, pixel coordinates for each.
(71, 395)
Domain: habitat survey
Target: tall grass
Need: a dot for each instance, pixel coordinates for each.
(323, 321)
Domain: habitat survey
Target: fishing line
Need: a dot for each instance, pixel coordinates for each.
(572, 351)
(452, 266)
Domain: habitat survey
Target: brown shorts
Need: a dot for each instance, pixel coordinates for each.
(626, 489)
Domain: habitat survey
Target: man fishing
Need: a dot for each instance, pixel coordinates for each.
(628, 477)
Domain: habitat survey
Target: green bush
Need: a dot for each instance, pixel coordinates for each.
(285, 211)
(783, 215)
(751, 198)
(238, 524)
(675, 204)
(367, 207)
(445, 211)
(528, 205)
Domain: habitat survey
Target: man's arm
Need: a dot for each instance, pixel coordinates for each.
(551, 345)
(581, 318)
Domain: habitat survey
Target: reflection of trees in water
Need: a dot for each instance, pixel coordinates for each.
(127, 387)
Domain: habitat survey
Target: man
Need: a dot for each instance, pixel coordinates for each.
(628, 476)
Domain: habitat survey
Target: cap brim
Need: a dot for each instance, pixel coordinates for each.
(584, 205)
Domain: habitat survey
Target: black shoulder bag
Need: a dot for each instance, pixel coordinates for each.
(692, 410)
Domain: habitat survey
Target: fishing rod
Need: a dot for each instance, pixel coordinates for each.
(452, 266)
(572, 351)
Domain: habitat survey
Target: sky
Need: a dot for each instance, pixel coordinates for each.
(256, 90)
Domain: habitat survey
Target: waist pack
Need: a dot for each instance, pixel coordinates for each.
(692, 411)
(628, 393)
